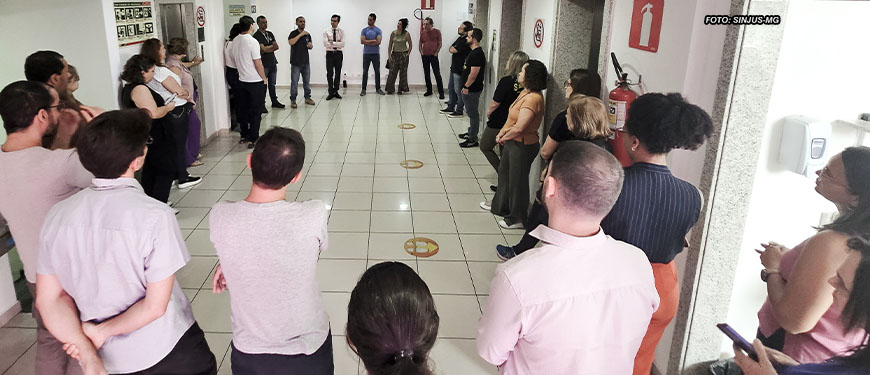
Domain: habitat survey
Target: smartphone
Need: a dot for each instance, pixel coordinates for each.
(171, 98)
(738, 340)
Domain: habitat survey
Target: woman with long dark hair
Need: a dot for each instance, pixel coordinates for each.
(391, 321)
(799, 317)
(851, 297)
(231, 73)
(398, 51)
(159, 169)
(168, 85)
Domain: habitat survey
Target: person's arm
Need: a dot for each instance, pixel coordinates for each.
(390, 48)
(309, 44)
(176, 70)
(142, 313)
(766, 359)
(326, 43)
(549, 148)
(295, 39)
(438, 50)
(498, 330)
(61, 317)
(525, 118)
(172, 85)
(363, 40)
(258, 64)
(453, 50)
(472, 75)
(377, 40)
(420, 44)
(142, 98)
(799, 303)
(410, 42)
(493, 105)
(196, 61)
(339, 44)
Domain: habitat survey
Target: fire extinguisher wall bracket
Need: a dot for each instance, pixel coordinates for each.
(620, 99)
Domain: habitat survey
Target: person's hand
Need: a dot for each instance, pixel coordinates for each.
(218, 283)
(780, 359)
(171, 105)
(197, 60)
(465, 91)
(309, 45)
(88, 113)
(304, 33)
(183, 93)
(95, 334)
(72, 351)
(771, 256)
(751, 367)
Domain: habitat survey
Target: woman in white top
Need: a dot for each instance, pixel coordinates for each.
(232, 76)
(179, 118)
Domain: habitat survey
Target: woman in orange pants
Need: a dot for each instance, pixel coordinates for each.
(655, 209)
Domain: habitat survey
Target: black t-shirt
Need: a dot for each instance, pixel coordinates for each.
(299, 51)
(267, 39)
(506, 92)
(475, 58)
(462, 50)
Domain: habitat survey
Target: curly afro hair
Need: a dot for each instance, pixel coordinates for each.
(665, 122)
(535, 76)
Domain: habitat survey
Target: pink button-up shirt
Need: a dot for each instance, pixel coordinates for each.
(576, 305)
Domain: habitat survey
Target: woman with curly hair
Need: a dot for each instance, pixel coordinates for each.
(520, 141)
(655, 209)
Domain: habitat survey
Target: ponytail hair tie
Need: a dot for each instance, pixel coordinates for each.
(403, 354)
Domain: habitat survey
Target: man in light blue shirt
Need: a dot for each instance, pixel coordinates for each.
(370, 38)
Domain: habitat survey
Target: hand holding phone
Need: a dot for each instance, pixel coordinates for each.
(172, 98)
(738, 340)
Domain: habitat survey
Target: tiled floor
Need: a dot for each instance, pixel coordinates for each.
(353, 151)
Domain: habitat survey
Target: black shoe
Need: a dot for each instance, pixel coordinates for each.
(190, 181)
(427, 93)
(455, 114)
(493, 188)
(336, 96)
(469, 144)
(250, 145)
(441, 95)
(446, 110)
(463, 136)
(329, 97)
(277, 105)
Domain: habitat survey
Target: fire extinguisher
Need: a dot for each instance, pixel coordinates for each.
(620, 99)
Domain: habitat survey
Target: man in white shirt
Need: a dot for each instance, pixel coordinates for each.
(333, 42)
(581, 303)
(32, 180)
(252, 81)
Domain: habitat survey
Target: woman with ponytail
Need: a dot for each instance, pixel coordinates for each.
(391, 321)
(799, 317)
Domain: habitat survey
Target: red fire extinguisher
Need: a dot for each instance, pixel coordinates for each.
(620, 99)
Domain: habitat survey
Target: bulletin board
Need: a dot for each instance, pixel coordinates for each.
(134, 22)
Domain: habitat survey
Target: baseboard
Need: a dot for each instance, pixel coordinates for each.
(10, 313)
(216, 134)
(371, 82)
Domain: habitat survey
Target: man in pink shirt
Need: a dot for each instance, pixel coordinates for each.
(581, 303)
(430, 45)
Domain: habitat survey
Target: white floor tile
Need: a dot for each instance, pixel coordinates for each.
(446, 277)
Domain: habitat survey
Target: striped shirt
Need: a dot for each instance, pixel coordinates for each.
(654, 211)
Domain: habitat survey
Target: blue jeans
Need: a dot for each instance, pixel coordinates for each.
(374, 59)
(271, 74)
(295, 70)
(454, 87)
(471, 100)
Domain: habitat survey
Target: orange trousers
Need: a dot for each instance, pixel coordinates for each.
(669, 295)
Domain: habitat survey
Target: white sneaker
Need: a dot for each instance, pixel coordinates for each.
(485, 206)
(505, 225)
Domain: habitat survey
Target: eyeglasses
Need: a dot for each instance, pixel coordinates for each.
(60, 106)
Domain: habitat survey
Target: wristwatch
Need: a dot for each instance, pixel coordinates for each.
(765, 274)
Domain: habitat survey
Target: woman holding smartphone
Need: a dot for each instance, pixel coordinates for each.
(851, 297)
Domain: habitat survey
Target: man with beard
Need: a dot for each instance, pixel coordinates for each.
(300, 43)
(32, 180)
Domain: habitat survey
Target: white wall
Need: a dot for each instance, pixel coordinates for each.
(532, 11)
(816, 76)
(282, 14)
(687, 62)
(74, 29)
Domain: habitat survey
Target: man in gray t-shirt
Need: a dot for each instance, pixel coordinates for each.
(32, 180)
(107, 262)
(268, 250)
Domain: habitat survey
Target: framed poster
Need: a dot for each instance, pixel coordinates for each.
(134, 22)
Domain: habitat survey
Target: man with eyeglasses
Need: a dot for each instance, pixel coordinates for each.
(32, 180)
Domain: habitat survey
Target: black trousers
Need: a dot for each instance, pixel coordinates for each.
(161, 166)
(232, 76)
(436, 67)
(179, 119)
(252, 96)
(334, 60)
(318, 363)
(537, 215)
(190, 356)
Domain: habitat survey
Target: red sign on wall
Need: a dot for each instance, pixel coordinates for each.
(427, 4)
(646, 24)
(538, 33)
(200, 16)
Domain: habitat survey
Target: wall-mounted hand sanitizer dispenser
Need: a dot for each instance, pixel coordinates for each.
(804, 145)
